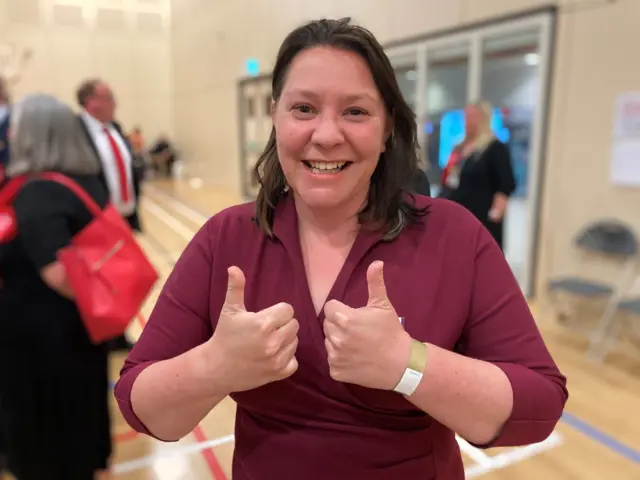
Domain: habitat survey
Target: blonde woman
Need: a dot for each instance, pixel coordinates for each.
(479, 175)
(53, 379)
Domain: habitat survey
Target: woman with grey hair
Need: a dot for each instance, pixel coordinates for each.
(54, 380)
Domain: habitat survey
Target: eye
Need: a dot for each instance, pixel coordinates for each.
(356, 112)
(303, 109)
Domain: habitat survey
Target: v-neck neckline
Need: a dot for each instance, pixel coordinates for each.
(286, 230)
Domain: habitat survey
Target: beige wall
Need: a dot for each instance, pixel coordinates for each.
(211, 41)
(126, 42)
(595, 61)
(591, 67)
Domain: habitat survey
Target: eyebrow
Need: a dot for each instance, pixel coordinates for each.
(350, 98)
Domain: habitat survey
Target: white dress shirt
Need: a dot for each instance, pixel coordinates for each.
(4, 112)
(109, 165)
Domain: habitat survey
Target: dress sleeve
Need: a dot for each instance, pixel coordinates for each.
(179, 322)
(501, 330)
(43, 215)
(505, 181)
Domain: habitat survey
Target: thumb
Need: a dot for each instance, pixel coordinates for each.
(234, 299)
(375, 282)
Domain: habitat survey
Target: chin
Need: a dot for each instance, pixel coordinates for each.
(320, 198)
(328, 198)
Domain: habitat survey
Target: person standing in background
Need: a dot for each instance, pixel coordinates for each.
(98, 104)
(421, 184)
(54, 380)
(118, 174)
(4, 127)
(4, 160)
(480, 175)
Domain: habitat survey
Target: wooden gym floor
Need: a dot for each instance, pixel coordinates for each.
(598, 437)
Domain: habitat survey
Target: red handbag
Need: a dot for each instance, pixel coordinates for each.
(109, 273)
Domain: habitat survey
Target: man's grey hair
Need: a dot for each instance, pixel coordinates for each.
(46, 135)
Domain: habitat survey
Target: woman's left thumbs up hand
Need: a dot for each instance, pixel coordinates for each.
(367, 346)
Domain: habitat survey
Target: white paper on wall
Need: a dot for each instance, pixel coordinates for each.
(625, 151)
(625, 164)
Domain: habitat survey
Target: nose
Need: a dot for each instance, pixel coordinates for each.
(327, 133)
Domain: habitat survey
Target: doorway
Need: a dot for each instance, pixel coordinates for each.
(507, 64)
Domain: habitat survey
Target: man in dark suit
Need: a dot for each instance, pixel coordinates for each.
(110, 144)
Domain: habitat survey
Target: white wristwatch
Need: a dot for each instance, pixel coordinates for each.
(414, 372)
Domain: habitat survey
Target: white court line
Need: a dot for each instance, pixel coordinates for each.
(187, 449)
(168, 219)
(180, 207)
(496, 462)
(515, 455)
(474, 453)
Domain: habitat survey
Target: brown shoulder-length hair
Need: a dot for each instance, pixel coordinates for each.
(388, 206)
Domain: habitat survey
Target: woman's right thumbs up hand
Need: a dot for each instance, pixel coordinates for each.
(252, 349)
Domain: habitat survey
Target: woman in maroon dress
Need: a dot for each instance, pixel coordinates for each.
(357, 327)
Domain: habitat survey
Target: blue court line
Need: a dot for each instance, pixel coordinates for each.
(601, 437)
(591, 432)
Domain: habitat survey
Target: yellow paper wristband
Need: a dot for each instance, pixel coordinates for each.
(415, 369)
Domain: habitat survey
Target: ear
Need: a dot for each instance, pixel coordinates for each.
(273, 111)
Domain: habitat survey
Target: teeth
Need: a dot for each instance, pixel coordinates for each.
(327, 165)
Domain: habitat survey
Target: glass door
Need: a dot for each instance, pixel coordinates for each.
(510, 82)
(445, 93)
(506, 64)
(512, 77)
(404, 64)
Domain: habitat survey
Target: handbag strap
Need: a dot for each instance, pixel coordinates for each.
(10, 190)
(80, 192)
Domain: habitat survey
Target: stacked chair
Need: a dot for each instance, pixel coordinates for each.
(576, 297)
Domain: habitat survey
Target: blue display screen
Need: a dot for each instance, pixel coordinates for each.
(452, 130)
(252, 67)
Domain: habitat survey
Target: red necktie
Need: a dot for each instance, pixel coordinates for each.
(124, 186)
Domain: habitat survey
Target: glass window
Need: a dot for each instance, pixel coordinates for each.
(405, 67)
(445, 95)
(510, 82)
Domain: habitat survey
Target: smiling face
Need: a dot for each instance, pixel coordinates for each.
(101, 104)
(331, 127)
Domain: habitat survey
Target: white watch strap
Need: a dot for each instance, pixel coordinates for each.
(409, 382)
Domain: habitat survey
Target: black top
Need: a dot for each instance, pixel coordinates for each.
(4, 142)
(48, 216)
(421, 184)
(482, 176)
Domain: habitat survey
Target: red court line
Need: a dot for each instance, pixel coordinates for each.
(125, 436)
(209, 457)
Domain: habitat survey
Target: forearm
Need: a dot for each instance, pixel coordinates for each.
(499, 205)
(471, 397)
(55, 276)
(172, 396)
(64, 290)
